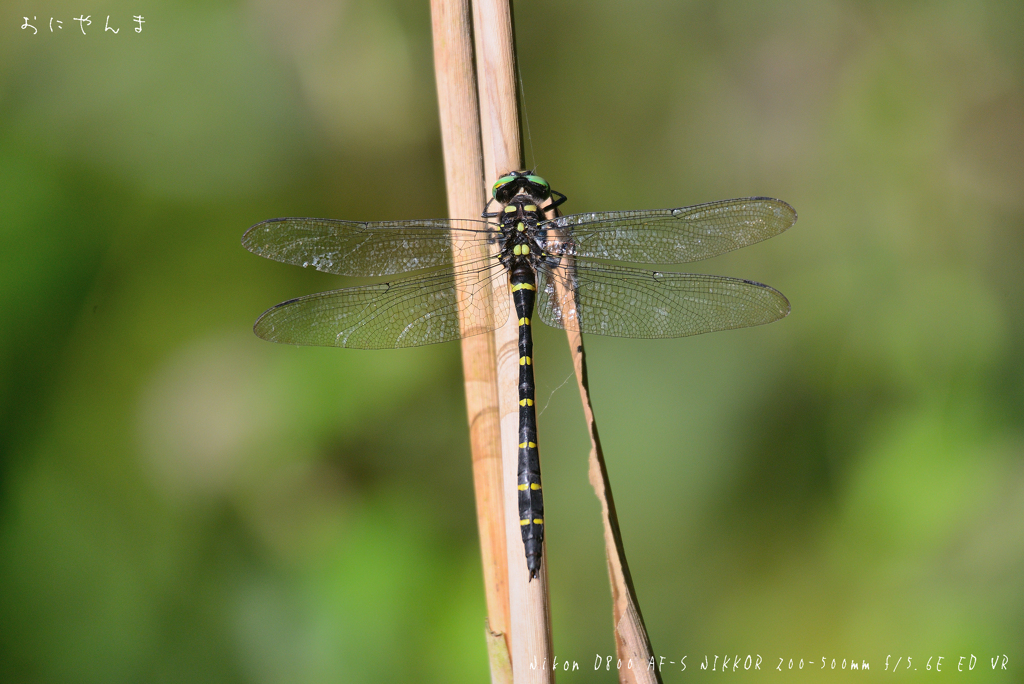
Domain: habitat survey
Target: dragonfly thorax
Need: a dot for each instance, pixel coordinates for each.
(521, 236)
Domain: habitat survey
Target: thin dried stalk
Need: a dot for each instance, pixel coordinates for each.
(632, 644)
(631, 640)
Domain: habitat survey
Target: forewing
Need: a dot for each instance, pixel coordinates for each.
(379, 248)
(671, 236)
(405, 313)
(612, 300)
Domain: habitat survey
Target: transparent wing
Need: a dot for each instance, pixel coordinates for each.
(405, 313)
(370, 248)
(612, 300)
(671, 236)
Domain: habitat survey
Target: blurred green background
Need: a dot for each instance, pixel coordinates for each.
(183, 502)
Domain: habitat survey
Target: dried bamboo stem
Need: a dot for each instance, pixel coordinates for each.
(464, 176)
(528, 601)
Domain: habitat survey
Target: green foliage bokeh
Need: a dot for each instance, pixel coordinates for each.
(181, 501)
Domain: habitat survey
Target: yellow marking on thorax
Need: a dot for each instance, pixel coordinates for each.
(523, 286)
(510, 209)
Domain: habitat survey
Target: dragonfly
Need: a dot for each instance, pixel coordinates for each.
(560, 267)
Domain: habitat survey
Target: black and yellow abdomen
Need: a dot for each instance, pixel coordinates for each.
(531, 499)
(521, 252)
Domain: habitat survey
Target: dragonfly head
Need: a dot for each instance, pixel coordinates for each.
(509, 185)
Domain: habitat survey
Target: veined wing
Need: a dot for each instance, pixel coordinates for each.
(404, 313)
(671, 236)
(377, 248)
(627, 302)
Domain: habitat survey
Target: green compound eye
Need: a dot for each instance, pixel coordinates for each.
(537, 180)
(501, 182)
